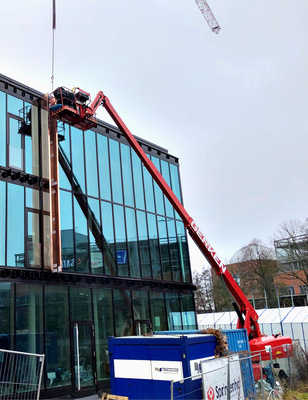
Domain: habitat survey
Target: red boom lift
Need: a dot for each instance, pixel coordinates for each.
(75, 108)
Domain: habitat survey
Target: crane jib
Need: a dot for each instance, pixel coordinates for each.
(208, 246)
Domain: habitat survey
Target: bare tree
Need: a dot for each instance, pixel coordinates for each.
(204, 293)
(291, 244)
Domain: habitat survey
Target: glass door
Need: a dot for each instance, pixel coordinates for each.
(84, 355)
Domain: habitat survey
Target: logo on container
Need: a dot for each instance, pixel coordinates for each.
(210, 393)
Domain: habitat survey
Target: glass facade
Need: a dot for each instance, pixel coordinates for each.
(124, 251)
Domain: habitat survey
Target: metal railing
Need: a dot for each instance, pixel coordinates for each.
(20, 375)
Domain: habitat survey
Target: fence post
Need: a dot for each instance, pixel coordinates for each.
(228, 379)
(171, 389)
(262, 382)
(42, 358)
(289, 363)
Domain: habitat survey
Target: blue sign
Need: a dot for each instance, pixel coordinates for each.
(122, 256)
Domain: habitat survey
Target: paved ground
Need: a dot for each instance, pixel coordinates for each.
(93, 397)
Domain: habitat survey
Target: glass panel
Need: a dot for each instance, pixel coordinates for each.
(138, 181)
(108, 238)
(159, 196)
(15, 147)
(103, 322)
(78, 156)
(127, 175)
(123, 312)
(103, 165)
(46, 201)
(67, 236)
(83, 355)
(15, 226)
(183, 248)
(166, 176)
(119, 223)
(154, 246)
(47, 243)
(33, 241)
(81, 239)
(158, 311)
(174, 251)
(57, 342)
(29, 318)
(164, 249)
(148, 189)
(175, 181)
(2, 222)
(2, 129)
(141, 305)
(80, 300)
(95, 252)
(63, 180)
(65, 143)
(133, 255)
(32, 198)
(28, 154)
(14, 105)
(173, 311)
(144, 249)
(7, 316)
(91, 163)
(116, 178)
(188, 311)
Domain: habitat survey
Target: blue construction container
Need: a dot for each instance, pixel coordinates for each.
(143, 367)
(237, 340)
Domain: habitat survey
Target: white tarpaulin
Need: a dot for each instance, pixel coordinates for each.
(215, 379)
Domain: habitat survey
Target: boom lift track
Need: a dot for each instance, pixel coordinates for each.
(75, 107)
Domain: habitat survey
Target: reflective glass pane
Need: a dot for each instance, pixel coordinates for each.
(173, 311)
(154, 246)
(29, 318)
(81, 304)
(2, 222)
(83, 351)
(28, 154)
(15, 226)
(132, 246)
(32, 198)
(108, 239)
(57, 337)
(138, 181)
(91, 163)
(174, 251)
(119, 224)
(47, 243)
(78, 157)
(183, 249)
(103, 322)
(188, 311)
(63, 180)
(127, 175)
(7, 316)
(158, 311)
(15, 147)
(65, 142)
(81, 239)
(14, 105)
(116, 178)
(67, 236)
(141, 305)
(148, 189)
(166, 176)
(95, 241)
(159, 197)
(33, 241)
(164, 249)
(175, 181)
(103, 165)
(2, 129)
(123, 312)
(144, 248)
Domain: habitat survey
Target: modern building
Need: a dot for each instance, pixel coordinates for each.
(124, 262)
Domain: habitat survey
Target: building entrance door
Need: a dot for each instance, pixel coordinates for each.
(84, 355)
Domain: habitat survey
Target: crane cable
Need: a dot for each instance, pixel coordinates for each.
(53, 42)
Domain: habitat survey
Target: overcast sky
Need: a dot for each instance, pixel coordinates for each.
(231, 106)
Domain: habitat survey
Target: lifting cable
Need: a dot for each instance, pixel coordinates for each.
(53, 42)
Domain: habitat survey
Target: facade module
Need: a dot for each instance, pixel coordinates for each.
(125, 263)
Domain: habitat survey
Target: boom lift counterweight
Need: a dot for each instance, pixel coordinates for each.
(76, 109)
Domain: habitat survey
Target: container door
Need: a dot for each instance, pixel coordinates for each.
(84, 355)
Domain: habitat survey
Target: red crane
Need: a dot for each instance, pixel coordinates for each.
(75, 108)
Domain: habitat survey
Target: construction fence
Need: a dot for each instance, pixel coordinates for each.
(20, 375)
(243, 376)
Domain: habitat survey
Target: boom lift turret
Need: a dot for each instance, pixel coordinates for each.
(76, 108)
